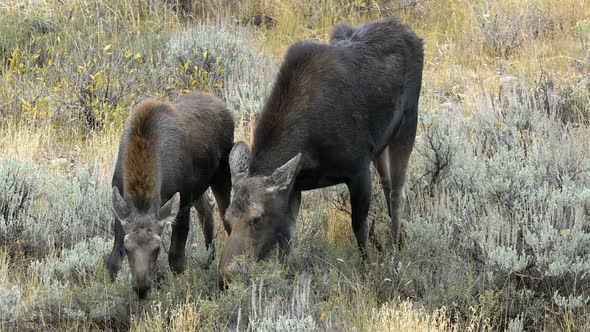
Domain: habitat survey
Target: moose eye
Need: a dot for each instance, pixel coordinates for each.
(255, 221)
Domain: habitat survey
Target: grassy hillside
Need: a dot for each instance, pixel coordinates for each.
(497, 215)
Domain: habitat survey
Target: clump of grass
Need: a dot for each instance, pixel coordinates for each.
(216, 58)
(504, 27)
(43, 211)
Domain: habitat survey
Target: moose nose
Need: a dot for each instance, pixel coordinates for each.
(225, 273)
(143, 289)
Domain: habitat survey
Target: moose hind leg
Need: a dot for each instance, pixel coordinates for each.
(382, 165)
(222, 192)
(180, 229)
(204, 207)
(399, 156)
(118, 252)
(360, 200)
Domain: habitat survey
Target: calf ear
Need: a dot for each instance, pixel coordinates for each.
(282, 177)
(120, 207)
(169, 211)
(239, 159)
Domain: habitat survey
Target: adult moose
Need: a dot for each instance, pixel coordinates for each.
(168, 156)
(333, 109)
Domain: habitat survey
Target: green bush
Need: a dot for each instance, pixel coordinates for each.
(220, 59)
(505, 26)
(18, 188)
(510, 212)
(43, 210)
(75, 264)
(92, 78)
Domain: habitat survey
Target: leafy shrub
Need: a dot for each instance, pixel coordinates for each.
(509, 216)
(11, 302)
(21, 29)
(43, 210)
(18, 182)
(220, 60)
(92, 78)
(75, 264)
(504, 26)
(499, 200)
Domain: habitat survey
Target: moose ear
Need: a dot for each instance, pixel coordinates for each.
(169, 211)
(282, 177)
(120, 207)
(239, 159)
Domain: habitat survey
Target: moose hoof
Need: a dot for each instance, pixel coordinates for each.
(113, 266)
(177, 263)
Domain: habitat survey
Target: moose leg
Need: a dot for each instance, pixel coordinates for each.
(285, 239)
(204, 206)
(294, 204)
(382, 165)
(116, 256)
(360, 200)
(399, 155)
(222, 192)
(176, 254)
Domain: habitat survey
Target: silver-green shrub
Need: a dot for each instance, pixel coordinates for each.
(75, 264)
(44, 210)
(282, 315)
(510, 212)
(11, 302)
(221, 59)
(19, 186)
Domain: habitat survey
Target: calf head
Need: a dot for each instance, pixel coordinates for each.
(259, 211)
(142, 237)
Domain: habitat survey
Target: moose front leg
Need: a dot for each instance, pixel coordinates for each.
(118, 252)
(360, 200)
(284, 241)
(180, 229)
(204, 206)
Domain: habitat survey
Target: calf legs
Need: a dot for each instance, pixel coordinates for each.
(399, 151)
(176, 254)
(392, 165)
(285, 239)
(360, 200)
(222, 191)
(398, 165)
(118, 252)
(382, 165)
(204, 207)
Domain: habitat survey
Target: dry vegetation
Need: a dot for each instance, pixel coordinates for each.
(498, 197)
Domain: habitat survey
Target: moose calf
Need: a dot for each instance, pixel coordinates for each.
(333, 109)
(168, 156)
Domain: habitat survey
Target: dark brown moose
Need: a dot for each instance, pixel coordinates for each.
(333, 109)
(168, 156)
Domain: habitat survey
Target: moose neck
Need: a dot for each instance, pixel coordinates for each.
(145, 195)
(142, 163)
(266, 160)
(283, 129)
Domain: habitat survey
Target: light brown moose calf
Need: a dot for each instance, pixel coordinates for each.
(168, 156)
